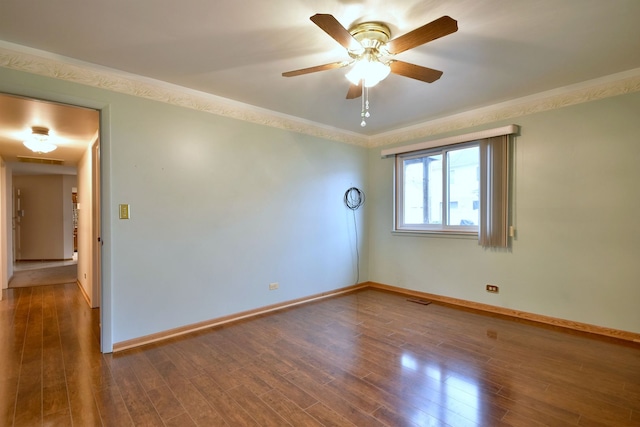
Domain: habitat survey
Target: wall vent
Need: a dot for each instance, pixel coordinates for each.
(41, 161)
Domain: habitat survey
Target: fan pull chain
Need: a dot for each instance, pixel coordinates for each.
(365, 105)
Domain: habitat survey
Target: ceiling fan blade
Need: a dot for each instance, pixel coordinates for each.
(331, 26)
(440, 27)
(315, 69)
(413, 71)
(355, 91)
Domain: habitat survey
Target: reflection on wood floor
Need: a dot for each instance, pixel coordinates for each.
(35, 265)
(367, 358)
(38, 273)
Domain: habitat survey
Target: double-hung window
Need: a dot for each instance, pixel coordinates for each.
(439, 189)
(458, 185)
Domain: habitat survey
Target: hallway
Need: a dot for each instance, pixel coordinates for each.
(49, 348)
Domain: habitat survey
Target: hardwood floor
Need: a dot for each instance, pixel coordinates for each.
(368, 358)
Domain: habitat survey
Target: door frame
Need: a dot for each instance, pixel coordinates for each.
(100, 180)
(95, 224)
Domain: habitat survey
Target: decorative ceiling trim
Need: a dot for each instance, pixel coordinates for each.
(21, 58)
(605, 87)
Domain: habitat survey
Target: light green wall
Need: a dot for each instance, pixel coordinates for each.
(220, 208)
(576, 204)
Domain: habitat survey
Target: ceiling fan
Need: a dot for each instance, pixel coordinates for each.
(369, 43)
(372, 53)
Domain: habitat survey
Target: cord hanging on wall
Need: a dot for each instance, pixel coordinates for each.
(353, 199)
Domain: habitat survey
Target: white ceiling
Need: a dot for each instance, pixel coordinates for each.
(72, 129)
(504, 49)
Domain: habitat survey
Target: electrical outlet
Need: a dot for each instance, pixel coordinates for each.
(494, 289)
(273, 286)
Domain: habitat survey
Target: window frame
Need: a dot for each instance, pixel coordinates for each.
(443, 228)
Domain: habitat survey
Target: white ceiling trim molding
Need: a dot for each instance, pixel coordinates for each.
(22, 58)
(613, 85)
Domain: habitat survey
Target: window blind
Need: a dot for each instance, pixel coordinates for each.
(493, 230)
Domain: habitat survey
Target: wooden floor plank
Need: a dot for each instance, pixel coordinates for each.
(259, 410)
(166, 404)
(138, 403)
(365, 358)
(182, 420)
(112, 408)
(230, 410)
(288, 410)
(327, 417)
(196, 405)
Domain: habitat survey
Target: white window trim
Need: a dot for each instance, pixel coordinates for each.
(441, 229)
(468, 137)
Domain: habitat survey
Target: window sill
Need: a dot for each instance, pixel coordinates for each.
(453, 234)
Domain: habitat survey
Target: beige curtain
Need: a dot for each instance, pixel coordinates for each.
(494, 192)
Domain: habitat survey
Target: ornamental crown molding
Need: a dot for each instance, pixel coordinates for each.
(21, 58)
(591, 90)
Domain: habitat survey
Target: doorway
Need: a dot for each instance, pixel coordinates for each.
(76, 132)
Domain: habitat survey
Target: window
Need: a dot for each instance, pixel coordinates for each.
(452, 185)
(439, 189)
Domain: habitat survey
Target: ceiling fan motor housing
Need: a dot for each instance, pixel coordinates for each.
(371, 35)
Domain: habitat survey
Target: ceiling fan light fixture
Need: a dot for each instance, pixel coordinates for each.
(370, 70)
(371, 49)
(38, 141)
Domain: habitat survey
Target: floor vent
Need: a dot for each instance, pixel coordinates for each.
(419, 301)
(40, 160)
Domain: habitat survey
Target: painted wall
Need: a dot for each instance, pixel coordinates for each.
(46, 229)
(6, 257)
(85, 239)
(219, 209)
(575, 209)
(69, 182)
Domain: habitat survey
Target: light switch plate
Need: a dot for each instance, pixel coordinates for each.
(124, 211)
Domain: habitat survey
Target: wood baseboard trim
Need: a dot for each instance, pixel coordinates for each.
(171, 333)
(538, 318)
(83, 292)
(567, 324)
